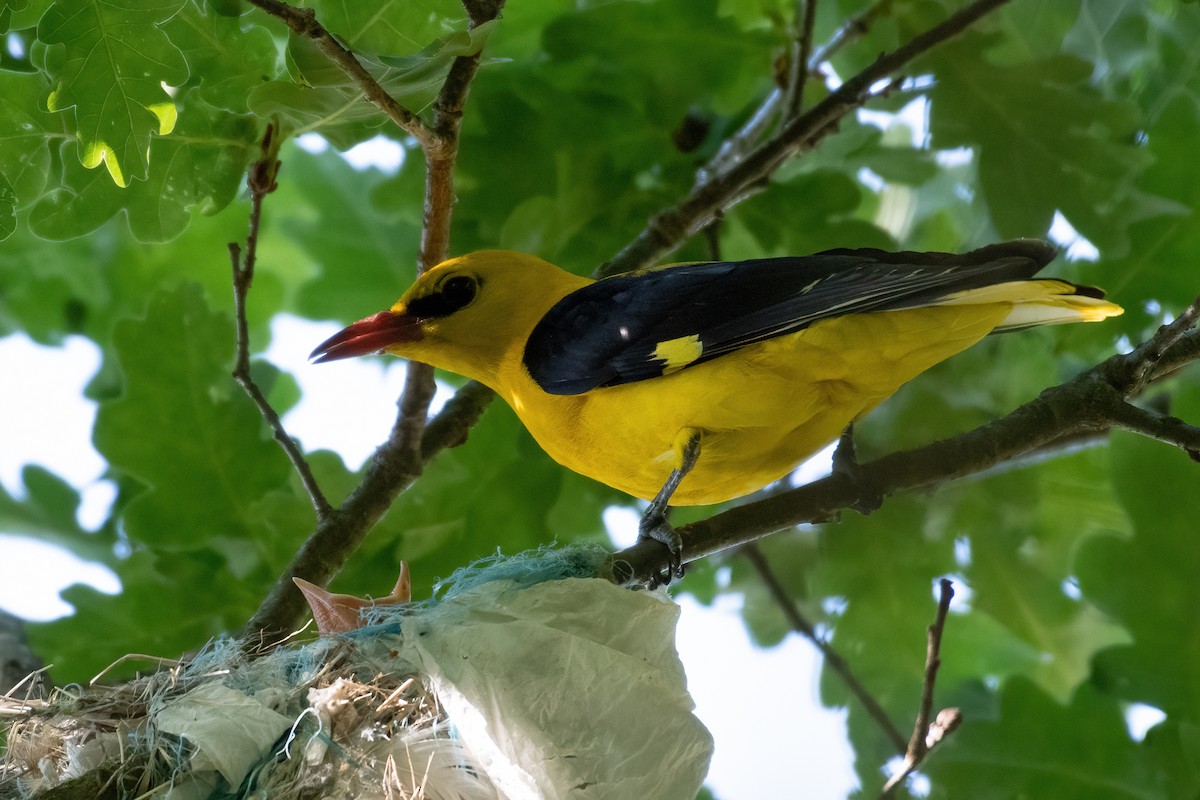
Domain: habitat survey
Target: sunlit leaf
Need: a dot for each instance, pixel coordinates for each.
(110, 66)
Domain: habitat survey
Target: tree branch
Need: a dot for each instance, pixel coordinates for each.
(1146, 360)
(1158, 426)
(833, 659)
(303, 22)
(1091, 403)
(924, 736)
(401, 459)
(261, 181)
(667, 229)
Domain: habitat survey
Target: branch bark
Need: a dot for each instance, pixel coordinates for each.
(1095, 401)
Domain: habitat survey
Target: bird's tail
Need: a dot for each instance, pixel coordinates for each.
(1040, 302)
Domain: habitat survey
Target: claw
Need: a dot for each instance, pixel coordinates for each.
(654, 526)
(845, 464)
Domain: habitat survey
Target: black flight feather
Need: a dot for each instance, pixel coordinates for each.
(605, 334)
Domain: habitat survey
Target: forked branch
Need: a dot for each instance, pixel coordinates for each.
(926, 736)
(669, 228)
(401, 459)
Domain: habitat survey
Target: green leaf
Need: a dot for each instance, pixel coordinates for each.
(47, 514)
(1038, 748)
(43, 286)
(1085, 166)
(175, 362)
(20, 15)
(792, 558)
(1036, 30)
(1147, 582)
(110, 66)
(198, 169)
(26, 136)
(169, 604)
(807, 214)
(1165, 80)
(227, 57)
(1176, 751)
(390, 27)
(499, 490)
(364, 262)
(687, 41)
(880, 571)
(1024, 528)
(323, 99)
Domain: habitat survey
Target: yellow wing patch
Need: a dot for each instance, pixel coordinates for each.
(678, 353)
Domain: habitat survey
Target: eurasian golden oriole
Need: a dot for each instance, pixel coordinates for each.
(697, 383)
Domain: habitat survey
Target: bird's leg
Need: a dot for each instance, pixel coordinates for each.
(654, 524)
(845, 463)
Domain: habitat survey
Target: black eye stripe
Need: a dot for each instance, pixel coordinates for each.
(451, 295)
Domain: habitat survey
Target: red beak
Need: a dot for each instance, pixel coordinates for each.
(369, 335)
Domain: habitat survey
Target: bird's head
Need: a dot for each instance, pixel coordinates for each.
(468, 315)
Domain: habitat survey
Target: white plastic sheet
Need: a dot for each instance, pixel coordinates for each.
(566, 689)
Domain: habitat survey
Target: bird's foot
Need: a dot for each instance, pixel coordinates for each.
(654, 526)
(845, 464)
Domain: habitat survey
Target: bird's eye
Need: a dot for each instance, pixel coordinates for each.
(458, 291)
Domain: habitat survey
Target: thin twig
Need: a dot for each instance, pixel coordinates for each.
(798, 69)
(303, 22)
(751, 133)
(851, 29)
(1091, 403)
(833, 659)
(924, 736)
(261, 180)
(667, 230)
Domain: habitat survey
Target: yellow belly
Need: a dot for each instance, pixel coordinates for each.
(761, 410)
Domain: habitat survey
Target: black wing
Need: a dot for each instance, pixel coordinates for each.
(607, 333)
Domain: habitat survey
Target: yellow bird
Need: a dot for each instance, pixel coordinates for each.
(697, 383)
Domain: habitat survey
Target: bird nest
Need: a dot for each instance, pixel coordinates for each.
(524, 677)
(335, 719)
